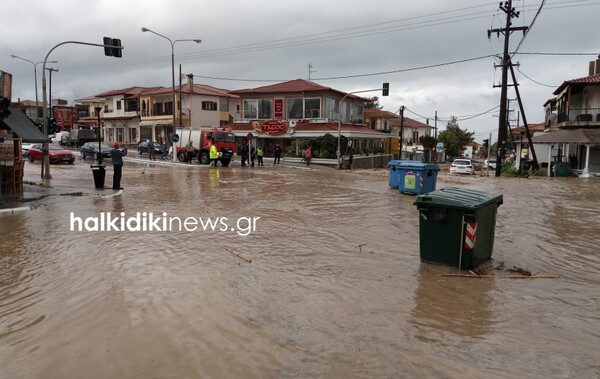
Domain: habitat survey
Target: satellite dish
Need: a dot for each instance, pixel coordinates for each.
(552, 117)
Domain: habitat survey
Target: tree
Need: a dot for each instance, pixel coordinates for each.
(373, 103)
(454, 138)
(429, 144)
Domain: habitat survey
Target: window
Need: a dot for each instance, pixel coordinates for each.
(131, 105)
(294, 108)
(209, 105)
(224, 104)
(344, 111)
(119, 105)
(330, 111)
(258, 109)
(312, 108)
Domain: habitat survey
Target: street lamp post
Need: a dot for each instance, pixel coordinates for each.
(98, 108)
(37, 105)
(339, 150)
(172, 42)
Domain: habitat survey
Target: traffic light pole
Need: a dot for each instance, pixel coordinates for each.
(46, 156)
(385, 91)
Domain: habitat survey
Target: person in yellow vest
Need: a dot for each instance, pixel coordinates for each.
(214, 154)
(259, 154)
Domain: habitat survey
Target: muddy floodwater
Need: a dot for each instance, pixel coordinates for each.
(335, 287)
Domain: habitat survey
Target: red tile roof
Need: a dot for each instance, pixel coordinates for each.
(292, 86)
(533, 128)
(203, 89)
(394, 119)
(580, 82)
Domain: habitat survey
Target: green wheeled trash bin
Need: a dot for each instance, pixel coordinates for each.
(561, 169)
(457, 226)
(417, 177)
(99, 171)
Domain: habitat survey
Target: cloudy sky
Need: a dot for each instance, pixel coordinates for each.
(435, 54)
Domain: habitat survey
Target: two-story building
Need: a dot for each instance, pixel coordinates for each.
(119, 114)
(286, 113)
(135, 114)
(576, 138)
(404, 129)
(198, 106)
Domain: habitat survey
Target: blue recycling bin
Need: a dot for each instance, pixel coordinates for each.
(417, 177)
(393, 167)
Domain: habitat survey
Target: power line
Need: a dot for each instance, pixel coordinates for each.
(536, 82)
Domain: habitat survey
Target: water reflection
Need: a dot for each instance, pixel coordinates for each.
(460, 306)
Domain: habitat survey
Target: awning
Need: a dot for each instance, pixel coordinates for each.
(569, 136)
(22, 126)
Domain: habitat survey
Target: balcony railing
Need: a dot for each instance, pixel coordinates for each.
(580, 115)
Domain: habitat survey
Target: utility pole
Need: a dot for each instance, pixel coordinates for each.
(401, 130)
(507, 8)
(49, 69)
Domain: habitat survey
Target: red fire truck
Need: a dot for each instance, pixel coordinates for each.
(223, 138)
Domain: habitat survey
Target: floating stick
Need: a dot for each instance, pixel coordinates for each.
(237, 255)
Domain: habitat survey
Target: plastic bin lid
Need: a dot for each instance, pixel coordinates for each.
(394, 163)
(458, 198)
(416, 165)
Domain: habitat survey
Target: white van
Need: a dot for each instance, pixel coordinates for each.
(59, 137)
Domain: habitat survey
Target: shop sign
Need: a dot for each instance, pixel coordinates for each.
(270, 127)
(278, 107)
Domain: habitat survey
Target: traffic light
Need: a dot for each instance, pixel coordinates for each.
(485, 143)
(52, 126)
(112, 47)
(386, 89)
(117, 53)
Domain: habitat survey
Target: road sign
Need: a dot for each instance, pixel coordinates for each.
(175, 138)
(250, 136)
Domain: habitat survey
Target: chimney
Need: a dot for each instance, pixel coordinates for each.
(598, 65)
(190, 82)
(592, 69)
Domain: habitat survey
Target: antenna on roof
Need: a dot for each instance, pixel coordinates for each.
(310, 66)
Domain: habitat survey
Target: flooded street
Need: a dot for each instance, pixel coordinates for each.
(335, 287)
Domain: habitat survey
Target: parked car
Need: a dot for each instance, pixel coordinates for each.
(25, 148)
(143, 147)
(56, 154)
(90, 149)
(462, 166)
(491, 164)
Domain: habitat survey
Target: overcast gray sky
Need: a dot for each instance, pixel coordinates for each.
(351, 45)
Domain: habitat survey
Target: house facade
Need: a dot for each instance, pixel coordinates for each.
(289, 112)
(135, 114)
(118, 114)
(399, 129)
(575, 138)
